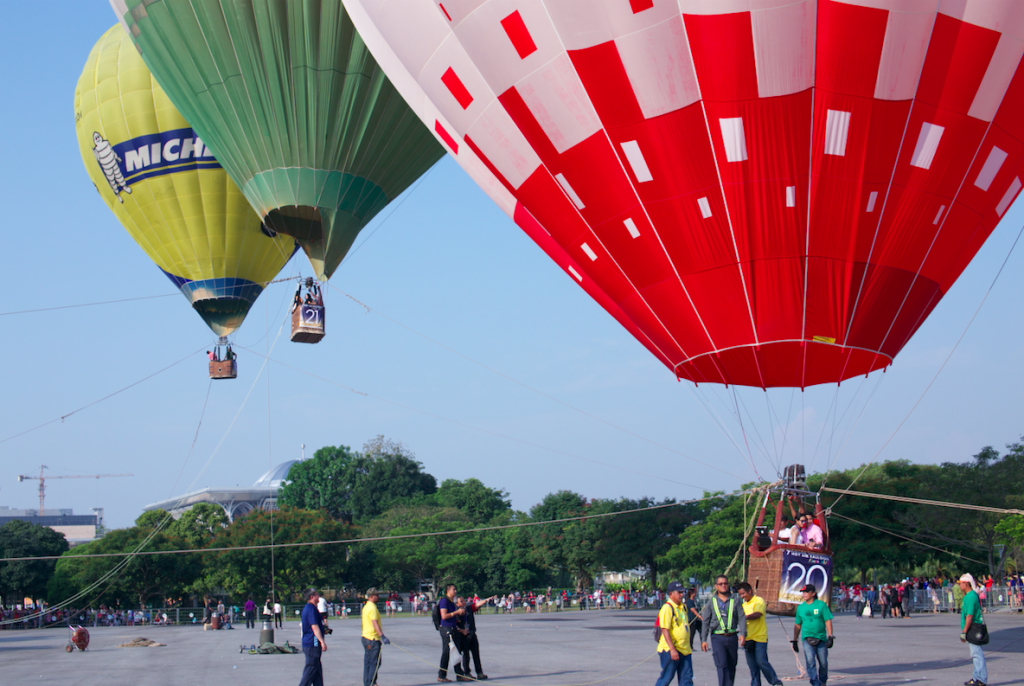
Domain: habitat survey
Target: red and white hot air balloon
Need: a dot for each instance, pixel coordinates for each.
(763, 192)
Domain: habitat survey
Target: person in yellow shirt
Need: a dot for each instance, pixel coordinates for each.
(674, 643)
(372, 638)
(756, 644)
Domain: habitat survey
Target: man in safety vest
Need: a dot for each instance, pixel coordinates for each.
(724, 621)
(755, 607)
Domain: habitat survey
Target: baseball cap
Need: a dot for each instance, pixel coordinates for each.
(809, 588)
(675, 586)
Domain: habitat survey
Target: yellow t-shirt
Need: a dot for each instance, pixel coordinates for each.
(673, 618)
(757, 629)
(371, 613)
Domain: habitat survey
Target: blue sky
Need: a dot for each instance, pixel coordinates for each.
(448, 264)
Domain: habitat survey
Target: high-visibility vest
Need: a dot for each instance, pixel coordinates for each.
(728, 629)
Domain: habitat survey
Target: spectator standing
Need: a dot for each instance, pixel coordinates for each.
(692, 615)
(724, 621)
(321, 607)
(268, 611)
(450, 613)
(312, 640)
(756, 644)
(674, 644)
(471, 645)
(970, 615)
(372, 638)
(250, 614)
(814, 620)
(278, 620)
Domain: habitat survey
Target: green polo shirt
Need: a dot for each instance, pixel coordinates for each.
(811, 618)
(972, 607)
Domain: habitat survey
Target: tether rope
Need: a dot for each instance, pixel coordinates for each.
(106, 397)
(350, 541)
(921, 501)
(907, 538)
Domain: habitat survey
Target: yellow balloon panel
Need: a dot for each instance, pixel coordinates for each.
(166, 188)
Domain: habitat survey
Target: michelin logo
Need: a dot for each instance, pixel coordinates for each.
(156, 154)
(109, 161)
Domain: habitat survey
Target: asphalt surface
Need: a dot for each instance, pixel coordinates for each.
(523, 650)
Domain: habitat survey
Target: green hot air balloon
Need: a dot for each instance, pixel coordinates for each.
(293, 105)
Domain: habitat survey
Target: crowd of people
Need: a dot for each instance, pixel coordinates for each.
(897, 600)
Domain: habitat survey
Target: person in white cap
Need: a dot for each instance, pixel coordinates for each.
(970, 614)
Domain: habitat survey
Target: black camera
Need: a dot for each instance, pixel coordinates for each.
(328, 630)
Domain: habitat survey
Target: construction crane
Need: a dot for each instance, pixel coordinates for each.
(42, 482)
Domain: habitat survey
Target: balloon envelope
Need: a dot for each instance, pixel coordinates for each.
(767, 194)
(294, 106)
(166, 188)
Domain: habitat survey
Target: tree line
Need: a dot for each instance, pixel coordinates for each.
(382, 492)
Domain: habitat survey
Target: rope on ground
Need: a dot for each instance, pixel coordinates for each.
(350, 541)
(106, 397)
(921, 501)
(495, 681)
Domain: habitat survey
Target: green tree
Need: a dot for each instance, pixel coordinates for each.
(253, 572)
(638, 539)
(706, 548)
(478, 502)
(199, 524)
(567, 546)
(991, 480)
(434, 560)
(141, 579)
(856, 547)
(356, 487)
(28, 579)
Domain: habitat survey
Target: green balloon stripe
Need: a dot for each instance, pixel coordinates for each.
(294, 107)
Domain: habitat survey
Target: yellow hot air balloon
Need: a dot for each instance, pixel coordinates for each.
(168, 190)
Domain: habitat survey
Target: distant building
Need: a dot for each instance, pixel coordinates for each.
(235, 501)
(77, 529)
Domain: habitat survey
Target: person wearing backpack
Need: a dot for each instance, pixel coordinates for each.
(446, 616)
(674, 639)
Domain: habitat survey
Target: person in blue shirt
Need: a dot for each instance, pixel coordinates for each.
(450, 614)
(312, 641)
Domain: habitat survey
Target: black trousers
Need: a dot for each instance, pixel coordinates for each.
(471, 646)
(250, 620)
(456, 638)
(695, 627)
(313, 672)
(725, 650)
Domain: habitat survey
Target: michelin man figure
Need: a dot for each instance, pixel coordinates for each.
(108, 161)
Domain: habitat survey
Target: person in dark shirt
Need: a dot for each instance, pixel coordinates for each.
(470, 644)
(692, 614)
(450, 614)
(312, 641)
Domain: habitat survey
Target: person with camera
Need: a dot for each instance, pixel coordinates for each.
(372, 638)
(970, 617)
(312, 641)
(814, 620)
(449, 615)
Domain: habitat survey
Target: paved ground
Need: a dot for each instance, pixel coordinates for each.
(523, 650)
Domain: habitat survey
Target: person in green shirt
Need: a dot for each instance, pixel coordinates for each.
(814, 620)
(971, 614)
